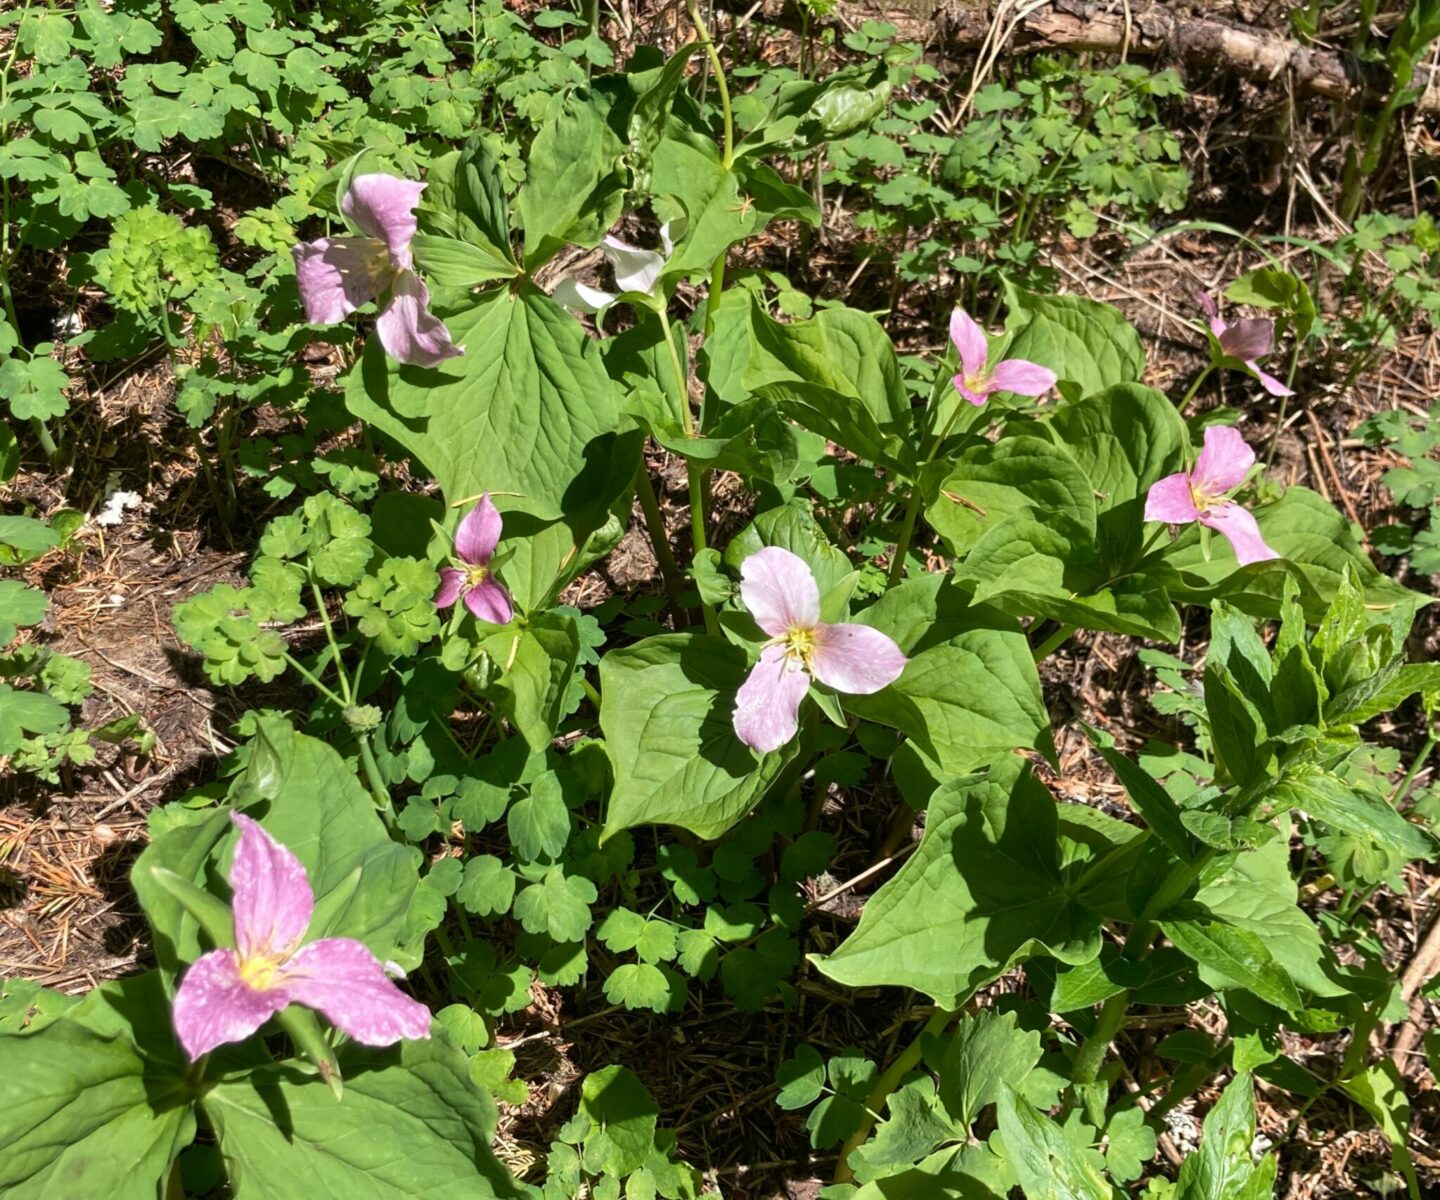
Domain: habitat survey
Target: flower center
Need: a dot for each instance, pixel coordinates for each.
(259, 972)
(1202, 499)
(977, 382)
(475, 575)
(800, 650)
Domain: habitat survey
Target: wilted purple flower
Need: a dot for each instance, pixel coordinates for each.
(975, 383)
(1248, 340)
(475, 542)
(636, 270)
(226, 995)
(336, 275)
(781, 593)
(1198, 495)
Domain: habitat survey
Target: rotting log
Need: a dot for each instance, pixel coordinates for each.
(1154, 30)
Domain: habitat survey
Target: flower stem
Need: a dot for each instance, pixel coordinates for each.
(887, 1083)
(702, 33)
(1057, 639)
(655, 524)
(907, 531)
(1194, 387)
(694, 474)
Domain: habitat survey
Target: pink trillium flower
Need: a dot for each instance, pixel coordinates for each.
(1198, 495)
(1248, 339)
(636, 270)
(475, 542)
(226, 995)
(781, 593)
(336, 275)
(976, 383)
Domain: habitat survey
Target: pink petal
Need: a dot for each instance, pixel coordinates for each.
(213, 1005)
(767, 706)
(341, 979)
(384, 207)
(1224, 461)
(272, 897)
(975, 398)
(337, 275)
(1268, 381)
(1207, 303)
(408, 330)
(779, 591)
(1022, 377)
(1169, 500)
(856, 659)
(1238, 526)
(1252, 337)
(971, 342)
(451, 581)
(489, 601)
(479, 532)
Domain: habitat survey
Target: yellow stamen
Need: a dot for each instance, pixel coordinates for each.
(259, 972)
(475, 575)
(800, 649)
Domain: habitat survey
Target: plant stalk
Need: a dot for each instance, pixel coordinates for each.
(887, 1083)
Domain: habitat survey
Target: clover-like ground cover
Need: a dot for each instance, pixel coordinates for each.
(762, 1068)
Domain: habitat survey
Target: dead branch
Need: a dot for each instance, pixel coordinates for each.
(1153, 30)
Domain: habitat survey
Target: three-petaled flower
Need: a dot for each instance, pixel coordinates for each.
(336, 275)
(636, 270)
(975, 382)
(781, 593)
(1199, 495)
(1247, 340)
(227, 995)
(474, 579)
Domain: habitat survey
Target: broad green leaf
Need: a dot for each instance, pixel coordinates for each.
(539, 663)
(984, 889)
(27, 712)
(571, 192)
(801, 1078)
(1028, 566)
(835, 373)
(987, 1053)
(1257, 892)
(314, 805)
(449, 262)
(488, 887)
(915, 1123)
(1123, 439)
(540, 822)
(527, 409)
(1223, 1168)
(559, 905)
(1383, 692)
(666, 712)
(411, 1125)
(1315, 547)
(967, 1173)
(1152, 802)
(793, 528)
(1380, 1090)
(1328, 798)
(989, 481)
(1088, 343)
(699, 195)
(970, 689)
(90, 1105)
(1229, 956)
(623, 1118)
(1237, 728)
(1048, 1164)
(639, 985)
(19, 605)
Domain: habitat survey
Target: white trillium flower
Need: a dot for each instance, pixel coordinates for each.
(636, 270)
